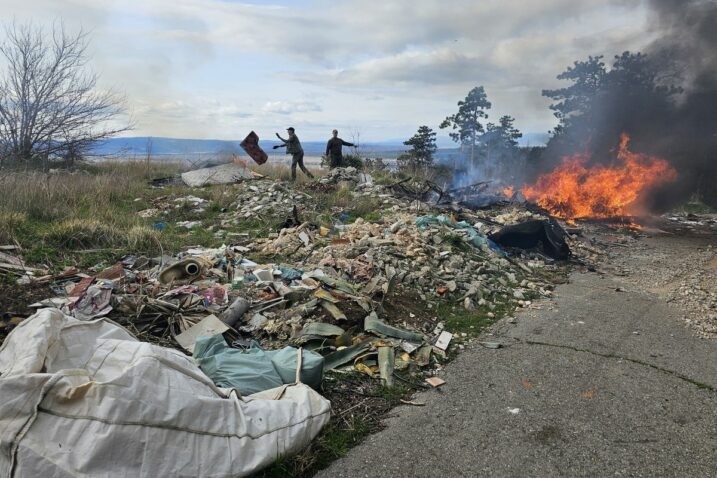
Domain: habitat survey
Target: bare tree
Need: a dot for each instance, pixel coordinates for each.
(49, 104)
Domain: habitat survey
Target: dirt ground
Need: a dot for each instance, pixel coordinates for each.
(14, 302)
(677, 261)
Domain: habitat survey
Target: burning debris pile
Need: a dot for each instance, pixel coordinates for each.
(577, 190)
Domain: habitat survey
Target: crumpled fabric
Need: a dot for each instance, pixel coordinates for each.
(86, 399)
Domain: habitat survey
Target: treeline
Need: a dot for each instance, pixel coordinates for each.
(486, 146)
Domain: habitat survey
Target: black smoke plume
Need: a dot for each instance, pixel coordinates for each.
(665, 98)
(688, 41)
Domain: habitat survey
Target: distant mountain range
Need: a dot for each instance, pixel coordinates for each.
(140, 146)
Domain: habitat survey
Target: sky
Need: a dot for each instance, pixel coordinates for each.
(376, 70)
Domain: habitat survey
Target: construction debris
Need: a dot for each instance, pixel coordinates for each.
(320, 293)
(223, 174)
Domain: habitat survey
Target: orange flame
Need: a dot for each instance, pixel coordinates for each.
(508, 192)
(574, 190)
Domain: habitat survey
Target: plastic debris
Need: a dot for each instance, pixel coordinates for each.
(374, 325)
(255, 370)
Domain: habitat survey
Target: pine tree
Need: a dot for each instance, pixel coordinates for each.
(466, 123)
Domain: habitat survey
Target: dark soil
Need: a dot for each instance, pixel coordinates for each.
(14, 302)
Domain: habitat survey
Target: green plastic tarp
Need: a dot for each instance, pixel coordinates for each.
(255, 370)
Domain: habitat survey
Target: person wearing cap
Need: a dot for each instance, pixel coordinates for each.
(293, 147)
(333, 149)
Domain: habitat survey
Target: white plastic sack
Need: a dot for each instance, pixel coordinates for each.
(88, 399)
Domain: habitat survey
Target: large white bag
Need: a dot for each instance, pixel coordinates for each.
(88, 399)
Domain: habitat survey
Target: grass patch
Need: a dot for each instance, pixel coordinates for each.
(455, 241)
(334, 442)
(472, 322)
(57, 218)
(359, 405)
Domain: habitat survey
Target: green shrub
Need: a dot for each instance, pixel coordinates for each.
(348, 160)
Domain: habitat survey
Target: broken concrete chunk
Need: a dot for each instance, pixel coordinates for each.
(333, 310)
(408, 347)
(222, 174)
(435, 381)
(452, 286)
(305, 238)
(207, 327)
(444, 340)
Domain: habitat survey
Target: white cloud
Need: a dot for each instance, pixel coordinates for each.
(290, 107)
(212, 67)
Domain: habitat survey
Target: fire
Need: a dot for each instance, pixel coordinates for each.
(574, 190)
(508, 192)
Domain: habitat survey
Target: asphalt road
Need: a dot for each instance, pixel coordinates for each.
(598, 382)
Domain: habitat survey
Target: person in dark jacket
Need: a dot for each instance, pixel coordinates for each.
(333, 149)
(293, 147)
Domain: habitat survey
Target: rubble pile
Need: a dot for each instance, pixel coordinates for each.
(324, 286)
(347, 175)
(428, 254)
(268, 198)
(340, 293)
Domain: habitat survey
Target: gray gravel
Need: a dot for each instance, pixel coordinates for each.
(680, 270)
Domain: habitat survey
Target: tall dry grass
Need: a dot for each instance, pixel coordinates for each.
(83, 209)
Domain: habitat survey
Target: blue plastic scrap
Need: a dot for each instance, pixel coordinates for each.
(289, 273)
(475, 237)
(254, 370)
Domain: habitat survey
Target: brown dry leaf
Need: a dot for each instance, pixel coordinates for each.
(589, 394)
(526, 384)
